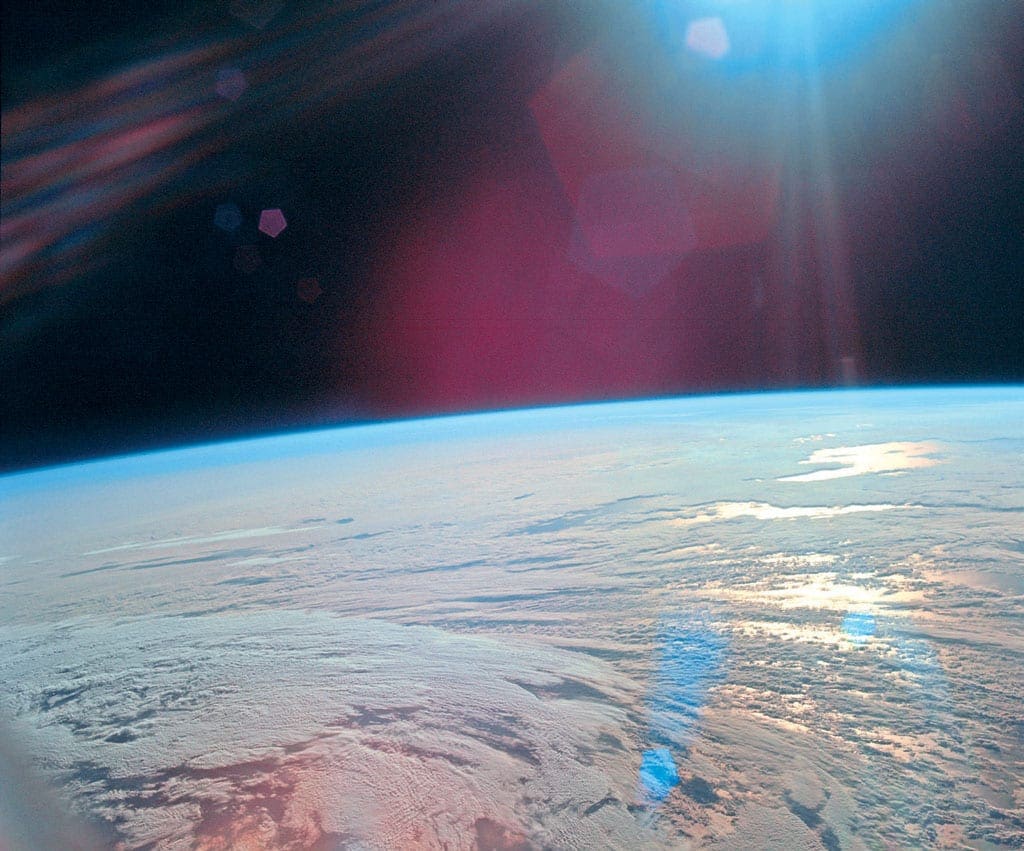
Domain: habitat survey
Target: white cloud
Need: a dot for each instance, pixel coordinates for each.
(870, 458)
(766, 511)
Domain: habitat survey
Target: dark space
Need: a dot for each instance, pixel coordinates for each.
(847, 210)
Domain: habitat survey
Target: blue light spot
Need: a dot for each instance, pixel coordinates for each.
(658, 775)
(756, 36)
(690, 663)
(858, 627)
(228, 217)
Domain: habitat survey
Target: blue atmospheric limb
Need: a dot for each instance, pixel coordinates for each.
(658, 775)
(690, 661)
(858, 627)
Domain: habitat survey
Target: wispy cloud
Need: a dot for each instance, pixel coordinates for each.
(232, 535)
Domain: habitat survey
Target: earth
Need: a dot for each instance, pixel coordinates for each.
(789, 621)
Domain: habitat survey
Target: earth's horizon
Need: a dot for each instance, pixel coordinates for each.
(785, 620)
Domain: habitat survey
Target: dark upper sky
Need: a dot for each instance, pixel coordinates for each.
(494, 204)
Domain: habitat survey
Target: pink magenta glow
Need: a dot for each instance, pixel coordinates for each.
(674, 192)
(481, 304)
(634, 213)
(272, 222)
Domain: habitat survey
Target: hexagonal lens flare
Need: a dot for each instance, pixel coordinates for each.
(272, 222)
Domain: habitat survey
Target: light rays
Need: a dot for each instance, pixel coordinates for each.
(81, 165)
